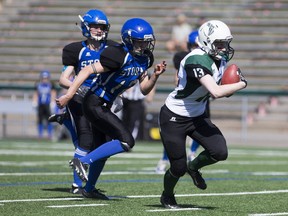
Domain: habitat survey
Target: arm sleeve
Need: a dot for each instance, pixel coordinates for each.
(197, 67)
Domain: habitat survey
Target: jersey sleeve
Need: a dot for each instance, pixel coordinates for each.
(70, 54)
(197, 67)
(113, 57)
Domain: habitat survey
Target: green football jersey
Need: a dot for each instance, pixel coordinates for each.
(189, 98)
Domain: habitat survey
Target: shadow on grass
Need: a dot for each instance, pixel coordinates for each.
(64, 190)
(67, 190)
(183, 206)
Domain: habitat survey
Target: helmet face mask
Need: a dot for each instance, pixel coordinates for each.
(142, 47)
(95, 25)
(137, 35)
(215, 38)
(221, 49)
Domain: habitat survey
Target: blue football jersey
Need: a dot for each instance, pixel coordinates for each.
(114, 82)
(87, 57)
(44, 92)
(78, 55)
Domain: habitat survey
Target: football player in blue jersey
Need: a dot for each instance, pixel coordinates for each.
(183, 113)
(118, 69)
(76, 56)
(43, 99)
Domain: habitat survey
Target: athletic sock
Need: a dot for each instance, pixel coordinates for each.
(68, 124)
(104, 151)
(203, 159)
(170, 182)
(95, 170)
(79, 153)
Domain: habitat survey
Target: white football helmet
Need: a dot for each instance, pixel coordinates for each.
(215, 38)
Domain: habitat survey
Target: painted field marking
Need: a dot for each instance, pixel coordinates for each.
(269, 214)
(119, 162)
(214, 194)
(154, 196)
(41, 200)
(145, 155)
(148, 172)
(77, 205)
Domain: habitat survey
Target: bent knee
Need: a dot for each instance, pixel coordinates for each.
(127, 141)
(179, 167)
(221, 155)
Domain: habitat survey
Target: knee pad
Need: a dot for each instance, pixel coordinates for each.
(178, 167)
(220, 156)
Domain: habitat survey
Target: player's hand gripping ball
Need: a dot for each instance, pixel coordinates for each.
(231, 75)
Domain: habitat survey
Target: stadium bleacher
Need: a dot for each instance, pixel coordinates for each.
(33, 33)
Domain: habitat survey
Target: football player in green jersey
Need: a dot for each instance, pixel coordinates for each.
(183, 113)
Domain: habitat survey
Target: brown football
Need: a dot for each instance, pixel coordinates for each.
(230, 75)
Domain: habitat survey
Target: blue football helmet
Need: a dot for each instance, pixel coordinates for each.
(138, 36)
(94, 17)
(192, 40)
(44, 74)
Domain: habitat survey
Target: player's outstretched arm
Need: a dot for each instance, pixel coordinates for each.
(148, 83)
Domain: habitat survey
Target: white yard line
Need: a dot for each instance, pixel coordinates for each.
(118, 162)
(148, 154)
(269, 214)
(154, 196)
(214, 194)
(78, 205)
(148, 172)
(41, 200)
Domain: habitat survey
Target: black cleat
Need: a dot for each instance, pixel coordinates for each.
(75, 189)
(80, 168)
(169, 202)
(59, 118)
(197, 179)
(95, 194)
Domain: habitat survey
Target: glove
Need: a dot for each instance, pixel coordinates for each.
(242, 78)
(117, 105)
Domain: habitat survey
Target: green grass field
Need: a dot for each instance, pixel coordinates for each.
(35, 180)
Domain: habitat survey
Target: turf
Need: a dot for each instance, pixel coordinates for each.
(35, 180)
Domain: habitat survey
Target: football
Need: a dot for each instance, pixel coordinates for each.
(230, 75)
